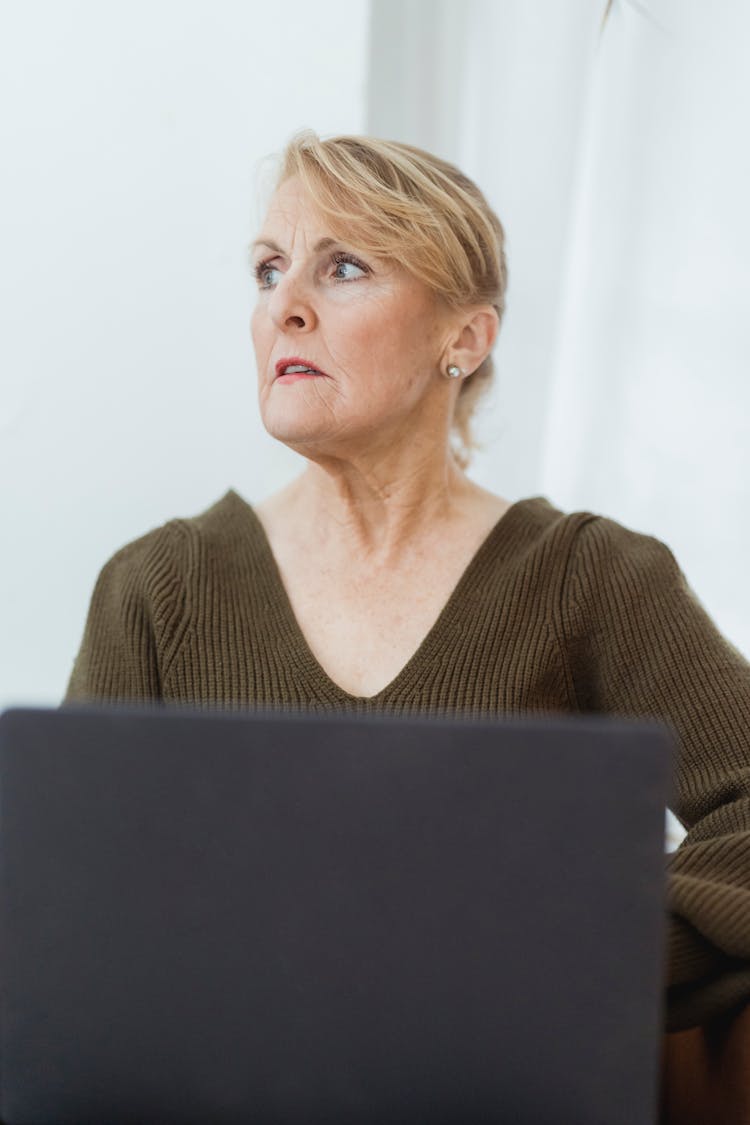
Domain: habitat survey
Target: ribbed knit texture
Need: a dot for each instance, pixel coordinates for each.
(555, 613)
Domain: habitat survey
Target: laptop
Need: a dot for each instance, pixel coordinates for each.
(234, 917)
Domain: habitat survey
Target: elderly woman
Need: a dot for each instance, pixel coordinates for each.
(383, 578)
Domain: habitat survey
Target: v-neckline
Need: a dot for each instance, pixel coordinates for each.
(302, 653)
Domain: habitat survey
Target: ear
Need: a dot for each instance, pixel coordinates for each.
(473, 338)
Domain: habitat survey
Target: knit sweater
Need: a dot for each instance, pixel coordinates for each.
(555, 613)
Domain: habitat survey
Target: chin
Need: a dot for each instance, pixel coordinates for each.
(297, 429)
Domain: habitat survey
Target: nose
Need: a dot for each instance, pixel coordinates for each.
(291, 304)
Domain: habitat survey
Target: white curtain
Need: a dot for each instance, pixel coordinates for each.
(498, 86)
(650, 410)
(618, 162)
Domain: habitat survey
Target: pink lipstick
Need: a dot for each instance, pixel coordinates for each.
(291, 368)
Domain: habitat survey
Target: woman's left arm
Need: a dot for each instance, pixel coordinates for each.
(640, 644)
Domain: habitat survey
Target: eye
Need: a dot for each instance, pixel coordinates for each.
(343, 259)
(340, 260)
(261, 270)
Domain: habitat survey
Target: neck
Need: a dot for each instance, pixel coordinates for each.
(373, 506)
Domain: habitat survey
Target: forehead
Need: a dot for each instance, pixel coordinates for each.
(291, 209)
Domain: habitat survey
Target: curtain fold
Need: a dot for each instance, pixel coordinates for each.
(617, 160)
(649, 416)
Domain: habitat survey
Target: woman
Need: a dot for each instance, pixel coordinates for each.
(384, 579)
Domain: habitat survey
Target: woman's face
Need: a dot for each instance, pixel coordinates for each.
(373, 331)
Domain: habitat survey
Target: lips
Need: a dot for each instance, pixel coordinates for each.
(297, 361)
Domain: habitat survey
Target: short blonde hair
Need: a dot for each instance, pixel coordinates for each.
(406, 204)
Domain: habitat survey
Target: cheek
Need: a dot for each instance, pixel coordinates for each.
(255, 326)
(262, 339)
(385, 336)
(403, 343)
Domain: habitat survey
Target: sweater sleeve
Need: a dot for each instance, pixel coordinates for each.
(134, 622)
(642, 645)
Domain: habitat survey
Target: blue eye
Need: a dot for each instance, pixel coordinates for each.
(261, 270)
(342, 259)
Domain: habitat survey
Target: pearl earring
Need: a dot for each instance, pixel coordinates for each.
(454, 372)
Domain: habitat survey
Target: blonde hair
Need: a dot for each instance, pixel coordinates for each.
(403, 203)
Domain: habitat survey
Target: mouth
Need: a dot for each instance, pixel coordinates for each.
(289, 369)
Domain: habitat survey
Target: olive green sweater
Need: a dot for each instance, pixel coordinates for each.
(555, 613)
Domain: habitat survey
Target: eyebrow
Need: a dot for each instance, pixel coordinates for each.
(322, 244)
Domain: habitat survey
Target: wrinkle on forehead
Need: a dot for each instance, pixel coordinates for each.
(292, 218)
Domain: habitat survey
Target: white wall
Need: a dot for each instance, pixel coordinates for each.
(131, 134)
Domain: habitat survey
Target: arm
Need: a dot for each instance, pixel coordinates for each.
(640, 644)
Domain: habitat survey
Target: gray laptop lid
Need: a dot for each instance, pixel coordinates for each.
(251, 918)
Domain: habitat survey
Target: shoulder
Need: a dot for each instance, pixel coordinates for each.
(160, 562)
(542, 529)
(597, 559)
(589, 535)
(618, 579)
(176, 536)
(542, 518)
(588, 531)
(607, 553)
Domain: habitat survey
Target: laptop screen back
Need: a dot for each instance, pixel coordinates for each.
(289, 919)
